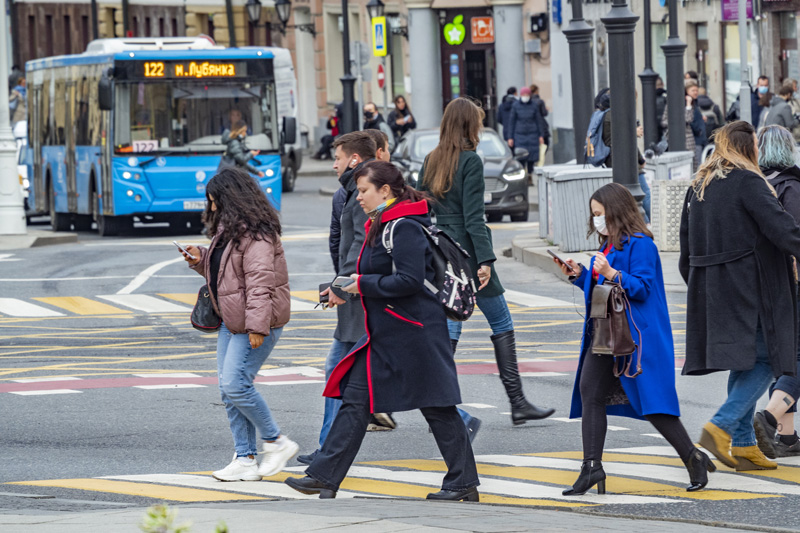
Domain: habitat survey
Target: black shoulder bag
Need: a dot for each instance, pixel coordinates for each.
(204, 317)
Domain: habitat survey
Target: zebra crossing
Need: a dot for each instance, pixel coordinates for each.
(650, 475)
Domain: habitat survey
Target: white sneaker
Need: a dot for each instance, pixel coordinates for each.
(276, 455)
(238, 471)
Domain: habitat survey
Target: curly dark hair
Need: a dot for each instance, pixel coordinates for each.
(242, 208)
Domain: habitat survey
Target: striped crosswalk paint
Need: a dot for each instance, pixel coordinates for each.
(143, 302)
(21, 308)
(82, 306)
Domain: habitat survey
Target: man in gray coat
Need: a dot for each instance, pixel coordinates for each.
(780, 112)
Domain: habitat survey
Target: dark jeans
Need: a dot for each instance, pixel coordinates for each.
(790, 384)
(597, 381)
(347, 432)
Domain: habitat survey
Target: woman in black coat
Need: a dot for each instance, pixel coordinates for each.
(736, 243)
(404, 362)
(527, 127)
(400, 118)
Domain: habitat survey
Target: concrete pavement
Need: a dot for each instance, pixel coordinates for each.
(358, 514)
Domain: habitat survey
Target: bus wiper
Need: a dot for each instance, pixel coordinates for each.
(163, 154)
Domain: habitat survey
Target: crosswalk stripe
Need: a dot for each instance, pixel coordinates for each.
(45, 392)
(189, 298)
(82, 306)
(143, 302)
(531, 300)
(21, 308)
(300, 305)
(147, 490)
(174, 386)
(311, 296)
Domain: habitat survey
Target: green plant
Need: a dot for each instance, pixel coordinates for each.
(160, 518)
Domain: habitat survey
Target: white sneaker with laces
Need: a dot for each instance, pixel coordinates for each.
(276, 455)
(238, 471)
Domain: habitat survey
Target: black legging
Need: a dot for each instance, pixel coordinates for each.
(597, 381)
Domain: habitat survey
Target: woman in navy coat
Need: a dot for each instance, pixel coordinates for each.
(527, 127)
(629, 256)
(405, 361)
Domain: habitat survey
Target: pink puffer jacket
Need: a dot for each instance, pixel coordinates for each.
(252, 285)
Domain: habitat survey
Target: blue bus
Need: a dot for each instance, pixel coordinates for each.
(134, 128)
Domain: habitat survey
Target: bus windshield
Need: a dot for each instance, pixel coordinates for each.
(191, 116)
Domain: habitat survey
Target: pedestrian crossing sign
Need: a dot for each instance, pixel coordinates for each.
(379, 45)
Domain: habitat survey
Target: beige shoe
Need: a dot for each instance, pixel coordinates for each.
(752, 458)
(718, 443)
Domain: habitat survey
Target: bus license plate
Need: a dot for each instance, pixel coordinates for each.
(487, 197)
(194, 205)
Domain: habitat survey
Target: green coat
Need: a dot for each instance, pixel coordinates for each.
(460, 214)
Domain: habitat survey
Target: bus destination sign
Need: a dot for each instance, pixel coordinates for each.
(192, 69)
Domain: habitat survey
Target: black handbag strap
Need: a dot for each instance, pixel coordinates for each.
(625, 369)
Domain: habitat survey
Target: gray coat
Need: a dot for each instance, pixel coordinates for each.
(350, 327)
(780, 113)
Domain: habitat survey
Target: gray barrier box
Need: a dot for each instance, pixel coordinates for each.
(544, 175)
(669, 176)
(569, 192)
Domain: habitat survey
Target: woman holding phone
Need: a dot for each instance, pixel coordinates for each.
(629, 257)
(404, 360)
(248, 282)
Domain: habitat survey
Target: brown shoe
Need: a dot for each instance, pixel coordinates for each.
(752, 458)
(718, 443)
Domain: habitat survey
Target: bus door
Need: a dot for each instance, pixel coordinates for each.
(35, 134)
(106, 190)
(69, 157)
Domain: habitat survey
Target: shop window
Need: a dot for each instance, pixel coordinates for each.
(333, 56)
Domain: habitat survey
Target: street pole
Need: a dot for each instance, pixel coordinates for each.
(12, 214)
(231, 23)
(359, 81)
(620, 24)
(745, 111)
(95, 30)
(648, 77)
(349, 123)
(385, 97)
(125, 23)
(579, 36)
(673, 50)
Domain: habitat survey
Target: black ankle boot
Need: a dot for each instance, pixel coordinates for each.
(592, 474)
(453, 345)
(505, 352)
(699, 465)
(468, 495)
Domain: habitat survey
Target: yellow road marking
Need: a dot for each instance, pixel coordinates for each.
(624, 485)
(186, 298)
(147, 490)
(610, 457)
(82, 306)
(311, 296)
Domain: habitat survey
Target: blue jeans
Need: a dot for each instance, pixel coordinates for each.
(495, 309)
(337, 352)
(790, 384)
(646, 201)
(237, 366)
(745, 387)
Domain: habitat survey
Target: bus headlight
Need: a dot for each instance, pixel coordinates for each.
(26, 183)
(130, 192)
(268, 190)
(415, 177)
(514, 176)
(137, 198)
(126, 175)
(270, 173)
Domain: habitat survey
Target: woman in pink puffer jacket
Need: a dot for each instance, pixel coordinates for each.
(245, 269)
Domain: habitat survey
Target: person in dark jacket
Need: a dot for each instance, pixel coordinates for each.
(375, 121)
(712, 114)
(629, 257)
(774, 426)
(780, 112)
(237, 153)
(459, 212)
(326, 143)
(543, 110)
(661, 104)
(764, 98)
(526, 126)
(400, 118)
(504, 110)
(404, 361)
(736, 245)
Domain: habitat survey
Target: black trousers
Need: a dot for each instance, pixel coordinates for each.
(350, 425)
(597, 381)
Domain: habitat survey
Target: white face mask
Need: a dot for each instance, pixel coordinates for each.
(600, 224)
(525, 99)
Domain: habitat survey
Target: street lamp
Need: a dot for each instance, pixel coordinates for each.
(579, 37)
(375, 9)
(253, 11)
(673, 50)
(349, 117)
(649, 77)
(284, 10)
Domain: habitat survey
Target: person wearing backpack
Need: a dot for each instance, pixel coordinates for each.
(712, 115)
(453, 174)
(404, 361)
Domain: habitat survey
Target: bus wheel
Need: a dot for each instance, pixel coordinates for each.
(110, 226)
(288, 178)
(58, 221)
(82, 222)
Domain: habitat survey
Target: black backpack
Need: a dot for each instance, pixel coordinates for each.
(453, 285)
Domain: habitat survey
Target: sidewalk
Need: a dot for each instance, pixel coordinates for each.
(358, 514)
(532, 251)
(36, 237)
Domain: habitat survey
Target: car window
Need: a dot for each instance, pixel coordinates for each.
(423, 145)
(491, 145)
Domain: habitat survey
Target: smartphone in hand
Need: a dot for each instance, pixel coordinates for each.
(560, 260)
(184, 250)
(342, 281)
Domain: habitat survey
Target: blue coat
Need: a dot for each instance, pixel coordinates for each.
(525, 125)
(653, 391)
(409, 360)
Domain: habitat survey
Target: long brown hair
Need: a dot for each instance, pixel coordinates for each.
(623, 218)
(734, 148)
(380, 173)
(460, 130)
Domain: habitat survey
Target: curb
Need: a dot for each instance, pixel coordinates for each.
(327, 191)
(35, 239)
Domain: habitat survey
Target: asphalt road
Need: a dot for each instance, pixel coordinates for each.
(108, 396)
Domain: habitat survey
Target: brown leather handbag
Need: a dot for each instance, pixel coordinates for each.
(611, 334)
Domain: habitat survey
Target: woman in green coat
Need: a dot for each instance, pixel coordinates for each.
(453, 174)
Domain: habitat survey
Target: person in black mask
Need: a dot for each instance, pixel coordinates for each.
(375, 121)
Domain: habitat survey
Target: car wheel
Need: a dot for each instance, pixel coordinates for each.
(289, 177)
(494, 217)
(58, 221)
(520, 217)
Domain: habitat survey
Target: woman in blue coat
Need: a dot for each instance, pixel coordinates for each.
(629, 256)
(527, 127)
(404, 361)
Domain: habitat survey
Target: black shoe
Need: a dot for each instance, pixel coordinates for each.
(473, 426)
(524, 411)
(698, 465)
(592, 474)
(468, 495)
(309, 485)
(765, 434)
(787, 450)
(384, 419)
(308, 458)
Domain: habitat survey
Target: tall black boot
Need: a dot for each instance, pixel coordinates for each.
(505, 352)
(453, 345)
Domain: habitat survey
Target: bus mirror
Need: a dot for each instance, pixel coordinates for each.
(104, 93)
(289, 130)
